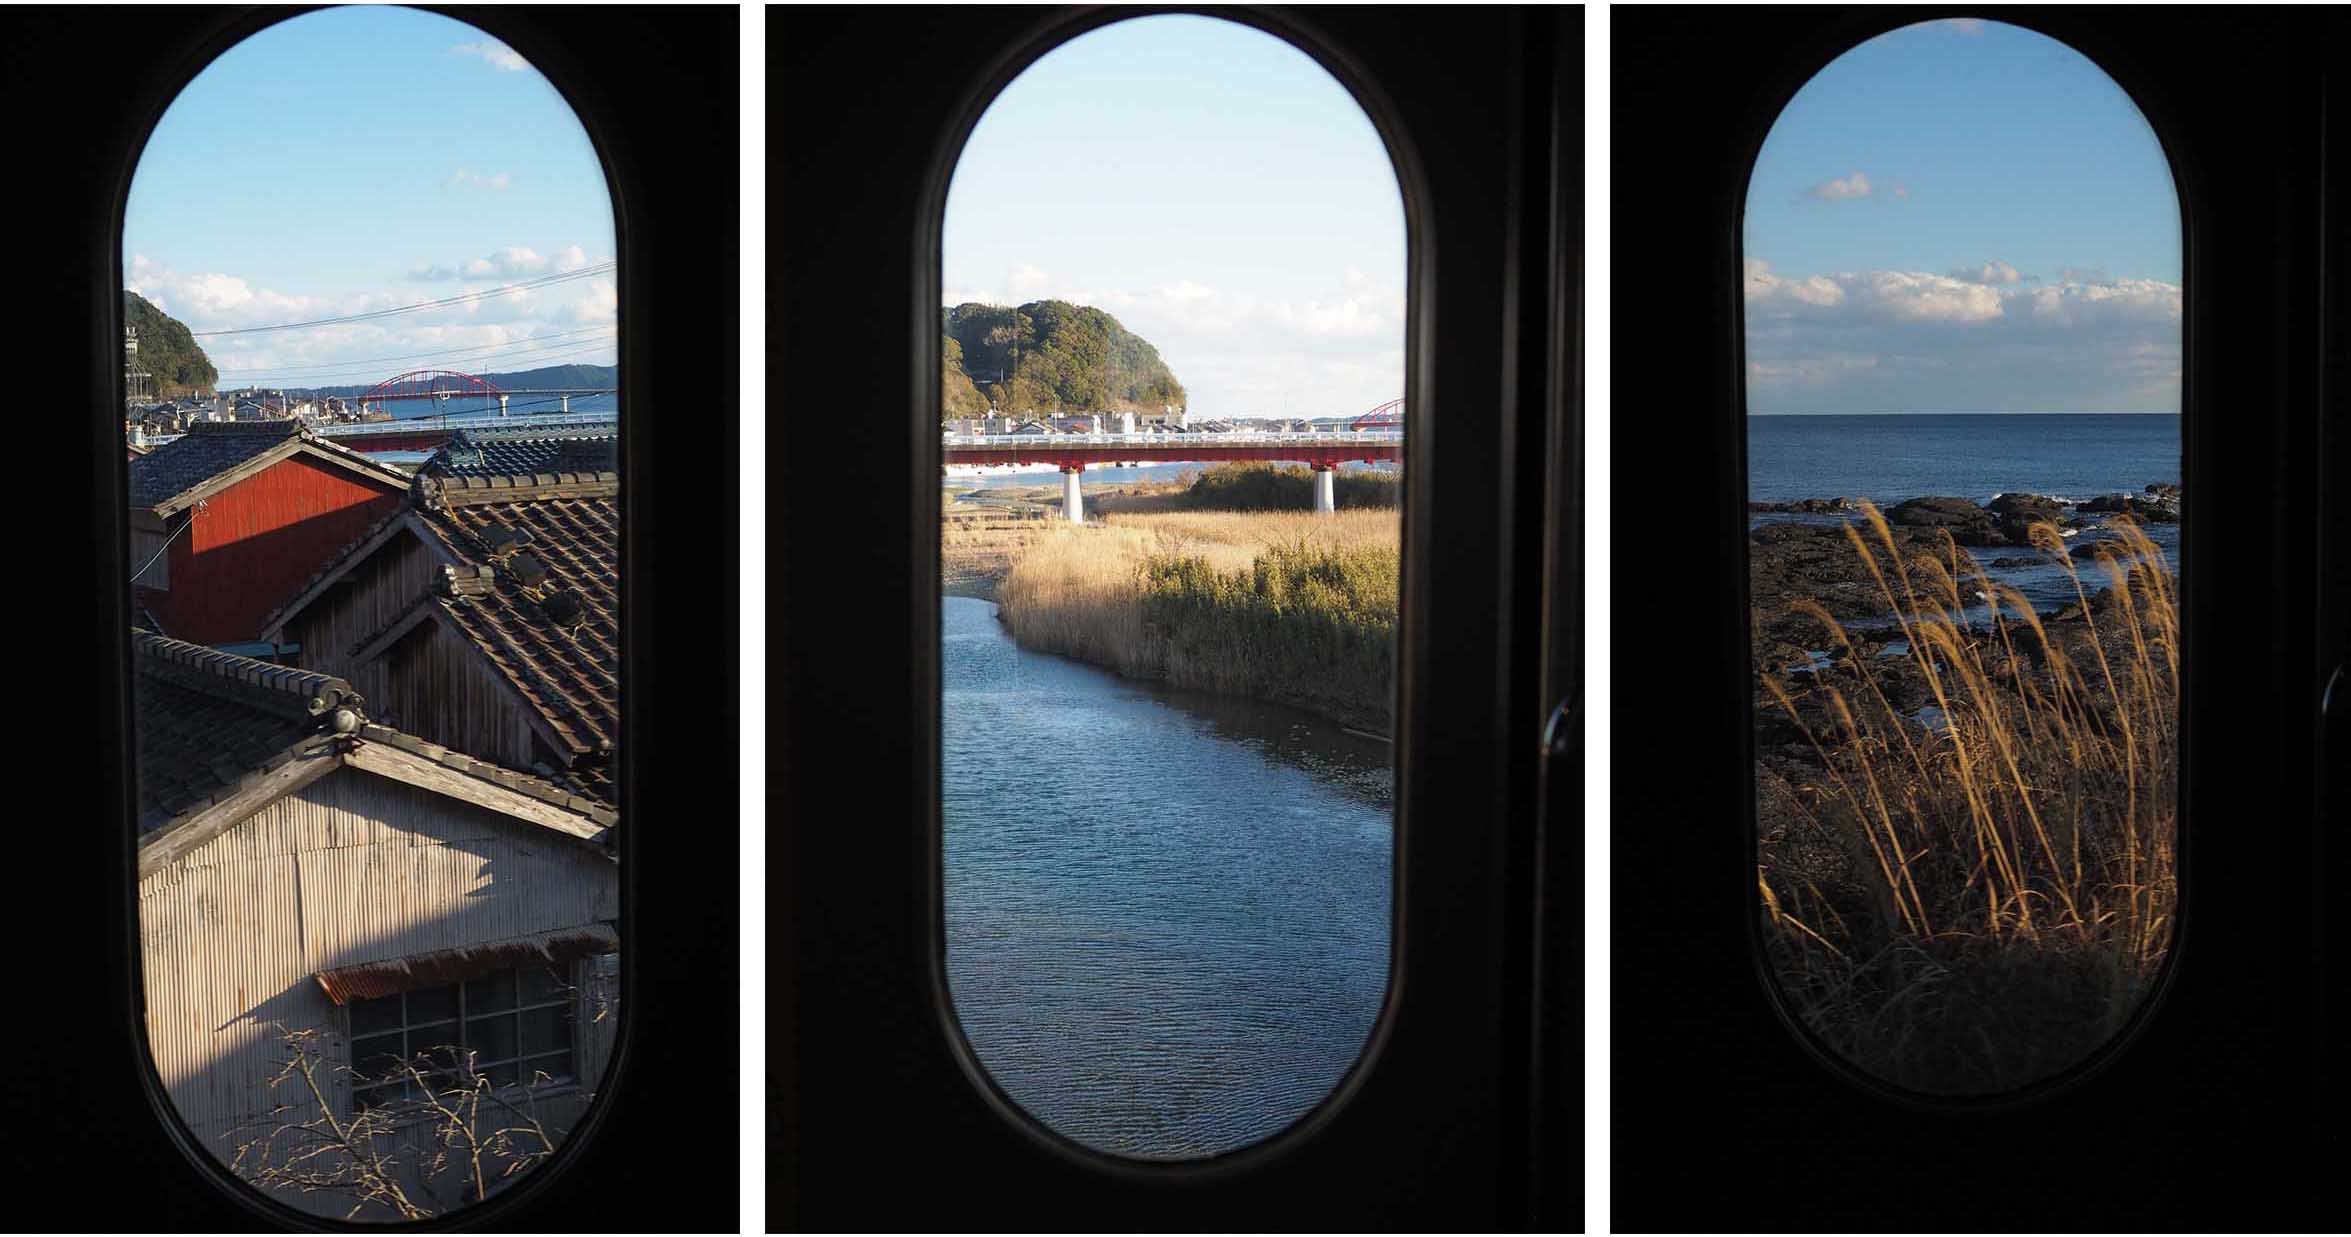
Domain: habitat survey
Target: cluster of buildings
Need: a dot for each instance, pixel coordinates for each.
(1174, 421)
(376, 721)
(147, 426)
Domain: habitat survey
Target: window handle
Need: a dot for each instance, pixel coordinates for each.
(1557, 736)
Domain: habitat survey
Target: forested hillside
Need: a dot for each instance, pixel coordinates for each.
(1049, 356)
(168, 353)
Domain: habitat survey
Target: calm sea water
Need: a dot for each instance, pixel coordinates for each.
(1167, 913)
(1888, 458)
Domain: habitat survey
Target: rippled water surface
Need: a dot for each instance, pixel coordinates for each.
(1167, 913)
(1890, 457)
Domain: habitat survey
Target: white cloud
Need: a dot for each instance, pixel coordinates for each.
(1843, 189)
(1963, 25)
(1978, 339)
(378, 348)
(1994, 271)
(509, 262)
(496, 53)
(478, 180)
(1028, 282)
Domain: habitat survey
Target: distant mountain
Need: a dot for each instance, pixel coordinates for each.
(168, 354)
(520, 380)
(1049, 355)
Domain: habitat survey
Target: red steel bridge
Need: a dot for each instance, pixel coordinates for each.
(1376, 437)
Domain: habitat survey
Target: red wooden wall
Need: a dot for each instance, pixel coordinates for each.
(257, 542)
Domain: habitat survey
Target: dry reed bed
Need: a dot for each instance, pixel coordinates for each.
(1296, 608)
(1976, 906)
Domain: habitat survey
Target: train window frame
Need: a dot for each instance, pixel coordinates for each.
(2150, 1004)
(644, 212)
(1381, 112)
(2220, 1075)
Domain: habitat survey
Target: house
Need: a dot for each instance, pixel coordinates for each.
(303, 866)
(230, 518)
(484, 613)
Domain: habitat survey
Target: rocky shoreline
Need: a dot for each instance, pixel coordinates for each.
(1816, 562)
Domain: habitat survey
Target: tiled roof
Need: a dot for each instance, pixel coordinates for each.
(537, 590)
(208, 449)
(208, 720)
(187, 465)
(527, 451)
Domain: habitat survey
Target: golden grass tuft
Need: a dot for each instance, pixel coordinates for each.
(1974, 906)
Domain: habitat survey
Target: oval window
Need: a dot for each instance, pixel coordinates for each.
(1963, 283)
(372, 433)
(1172, 338)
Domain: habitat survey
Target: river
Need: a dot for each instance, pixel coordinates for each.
(1167, 913)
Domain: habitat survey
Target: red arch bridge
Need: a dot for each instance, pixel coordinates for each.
(1323, 452)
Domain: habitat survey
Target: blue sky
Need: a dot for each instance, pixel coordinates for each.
(1962, 216)
(355, 159)
(1214, 189)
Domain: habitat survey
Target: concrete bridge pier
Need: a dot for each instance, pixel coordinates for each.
(565, 406)
(1073, 505)
(501, 405)
(1326, 490)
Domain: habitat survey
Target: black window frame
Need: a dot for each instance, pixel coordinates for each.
(869, 1032)
(2216, 1081)
(662, 109)
(2117, 1043)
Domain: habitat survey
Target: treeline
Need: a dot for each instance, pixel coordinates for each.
(168, 352)
(1046, 357)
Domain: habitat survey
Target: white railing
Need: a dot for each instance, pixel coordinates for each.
(1249, 438)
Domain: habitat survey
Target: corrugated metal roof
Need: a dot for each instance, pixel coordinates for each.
(369, 980)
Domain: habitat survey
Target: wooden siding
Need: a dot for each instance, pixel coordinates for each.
(437, 686)
(255, 543)
(352, 868)
(369, 596)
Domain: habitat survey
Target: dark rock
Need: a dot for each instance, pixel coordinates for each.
(1806, 506)
(1968, 524)
(1937, 512)
(2019, 512)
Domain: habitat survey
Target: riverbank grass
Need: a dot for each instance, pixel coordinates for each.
(1289, 607)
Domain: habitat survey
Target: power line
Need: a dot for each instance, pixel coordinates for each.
(511, 343)
(466, 298)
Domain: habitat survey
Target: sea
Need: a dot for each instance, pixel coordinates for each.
(1888, 457)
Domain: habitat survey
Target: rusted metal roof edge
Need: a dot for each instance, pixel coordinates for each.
(387, 977)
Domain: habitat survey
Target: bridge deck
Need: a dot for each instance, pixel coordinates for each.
(1076, 450)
